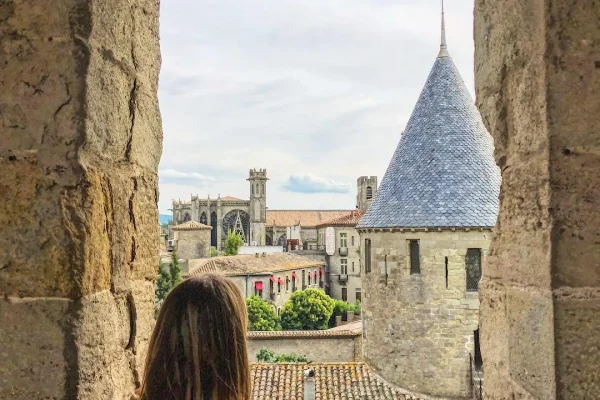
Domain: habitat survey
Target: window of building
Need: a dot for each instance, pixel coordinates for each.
(446, 262)
(271, 284)
(279, 285)
(258, 288)
(344, 266)
(344, 294)
(369, 192)
(343, 240)
(287, 283)
(478, 360)
(358, 295)
(352, 240)
(303, 278)
(309, 280)
(352, 266)
(473, 266)
(415, 257)
(294, 281)
(367, 255)
(278, 311)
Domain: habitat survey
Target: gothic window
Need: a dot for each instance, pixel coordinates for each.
(262, 189)
(367, 255)
(415, 257)
(282, 241)
(203, 219)
(238, 222)
(251, 189)
(369, 192)
(269, 240)
(187, 217)
(473, 265)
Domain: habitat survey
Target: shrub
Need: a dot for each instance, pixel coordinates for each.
(261, 315)
(233, 243)
(269, 356)
(308, 309)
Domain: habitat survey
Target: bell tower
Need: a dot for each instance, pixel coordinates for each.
(258, 206)
(366, 189)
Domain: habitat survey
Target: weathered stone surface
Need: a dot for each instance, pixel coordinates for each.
(316, 350)
(418, 329)
(33, 358)
(80, 141)
(536, 80)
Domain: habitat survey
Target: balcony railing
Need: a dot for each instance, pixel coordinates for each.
(343, 251)
(343, 278)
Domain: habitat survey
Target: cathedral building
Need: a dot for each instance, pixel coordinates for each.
(423, 239)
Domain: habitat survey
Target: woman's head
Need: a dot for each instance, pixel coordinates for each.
(198, 347)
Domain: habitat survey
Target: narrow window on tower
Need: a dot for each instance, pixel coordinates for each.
(473, 267)
(369, 192)
(367, 255)
(415, 257)
(446, 261)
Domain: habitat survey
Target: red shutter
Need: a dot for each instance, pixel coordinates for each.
(294, 275)
(258, 285)
(272, 278)
(280, 281)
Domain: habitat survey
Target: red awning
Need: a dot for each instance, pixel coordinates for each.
(321, 271)
(258, 285)
(280, 281)
(294, 275)
(272, 278)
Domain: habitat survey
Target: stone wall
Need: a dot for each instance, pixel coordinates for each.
(80, 141)
(537, 73)
(418, 329)
(352, 258)
(317, 347)
(193, 244)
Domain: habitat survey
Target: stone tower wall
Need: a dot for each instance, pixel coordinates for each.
(537, 79)
(417, 333)
(193, 244)
(362, 203)
(80, 141)
(258, 206)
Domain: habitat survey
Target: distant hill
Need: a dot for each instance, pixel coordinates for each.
(164, 218)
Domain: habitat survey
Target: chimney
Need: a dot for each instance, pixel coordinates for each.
(309, 384)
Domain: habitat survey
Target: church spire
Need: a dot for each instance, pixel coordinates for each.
(443, 47)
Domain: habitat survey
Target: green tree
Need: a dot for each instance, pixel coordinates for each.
(308, 309)
(175, 270)
(268, 356)
(233, 243)
(163, 283)
(261, 315)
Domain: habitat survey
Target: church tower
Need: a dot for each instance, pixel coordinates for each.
(367, 187)
(258, 206)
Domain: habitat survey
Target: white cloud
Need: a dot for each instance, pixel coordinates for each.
(183, 178)
(314, 184)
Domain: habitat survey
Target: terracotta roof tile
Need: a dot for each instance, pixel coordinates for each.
(355, 327)
(191, 226)
(332, 381)
(338, 333)
(350, 219)
(250, 264)
(306, 218)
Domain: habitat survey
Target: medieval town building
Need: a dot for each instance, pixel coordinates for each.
(423, 241)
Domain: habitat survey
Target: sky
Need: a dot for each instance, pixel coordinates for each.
(315, 91)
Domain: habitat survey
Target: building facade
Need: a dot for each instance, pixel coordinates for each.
(424, 238)
(343, 270)
(192, 240)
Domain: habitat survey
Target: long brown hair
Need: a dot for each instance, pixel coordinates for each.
(198, 347)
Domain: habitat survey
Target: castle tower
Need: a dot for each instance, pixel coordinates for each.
(258, 206)
(424, 239)
(366, 189)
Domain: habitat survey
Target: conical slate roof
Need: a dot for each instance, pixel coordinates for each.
(443, 172)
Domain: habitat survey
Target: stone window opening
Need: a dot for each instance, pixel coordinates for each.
(369, 192)
(473, 269)
(352, 240)
(309, 280)
(287, 283)
(303, 279)
(386, 269)
(344, 266)
(358, 295)
(344, 294)
(477, 359)
(343, 240)
(446, 262)
(258, 288)
(415, 257)
(271, 286)
(352, 266)
(367, 256)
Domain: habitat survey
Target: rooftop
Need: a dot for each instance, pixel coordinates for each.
(350, 219)
(354, 327)
(325, 334)
(304, 218)
(332, 381)
(191, 226)
(250, 264)
(443, 172)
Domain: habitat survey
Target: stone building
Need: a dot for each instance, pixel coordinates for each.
(192, 240)
(424, 238)
(272, 277)
(343, 270)
(246, 217)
